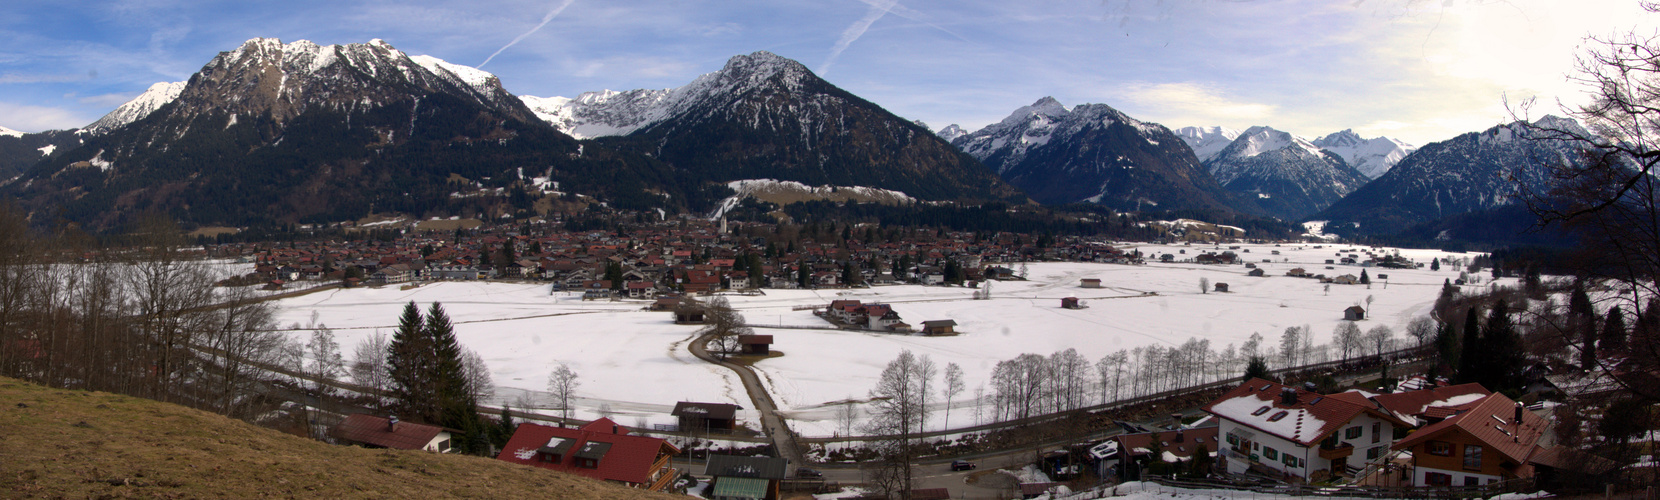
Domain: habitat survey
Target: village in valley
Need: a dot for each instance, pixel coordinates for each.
(696, 348)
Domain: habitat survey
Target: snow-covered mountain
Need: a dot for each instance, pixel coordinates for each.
(1207, 141)
(1372, 157)
(281, 131)
(766, 116)
(600, 114)
(155, 97)
(1288, 175)
(951, 132)
(1094, 153)
(6, 132)
(1467, 173)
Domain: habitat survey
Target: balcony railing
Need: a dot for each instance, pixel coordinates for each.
(1336, 452)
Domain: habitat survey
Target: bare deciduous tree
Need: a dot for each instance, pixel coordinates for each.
(563, 383)
(953, 387)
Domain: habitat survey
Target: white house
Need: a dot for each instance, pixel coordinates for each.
(1275, 428)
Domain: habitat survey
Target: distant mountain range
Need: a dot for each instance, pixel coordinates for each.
(1290, 177)
(1475, 171)
(1094, 153)
(275, 132)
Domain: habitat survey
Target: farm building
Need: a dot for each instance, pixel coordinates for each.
(1070, 303)
(755, 344)
(1354, 313)
(712, 417)
(1089, 283)
(939, 327)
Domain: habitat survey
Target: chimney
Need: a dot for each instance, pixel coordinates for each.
(1179, 437)
(1288, 396)
(613, 428)
(1309, 386)
(1176, 421)
(392, 424)
(1519, 410)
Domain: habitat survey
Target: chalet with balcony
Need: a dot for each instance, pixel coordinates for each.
(1486, 440)
(1297, 434)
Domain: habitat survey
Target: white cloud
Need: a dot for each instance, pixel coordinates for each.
(1198, 102)
(30, 118)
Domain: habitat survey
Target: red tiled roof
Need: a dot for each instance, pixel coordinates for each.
(1191, 439)
(1491, 421)
(372, 430)
(629, 458)
(1421, 402)
(1332, 412)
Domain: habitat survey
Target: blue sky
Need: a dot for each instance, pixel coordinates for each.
(1417, 70)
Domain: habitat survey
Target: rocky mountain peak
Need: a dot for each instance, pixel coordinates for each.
(951, 132)
(1371, 157)
(1207, 141)
(155, 97)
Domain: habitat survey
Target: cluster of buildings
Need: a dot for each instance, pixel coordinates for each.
(1461, 435)
(686, 255)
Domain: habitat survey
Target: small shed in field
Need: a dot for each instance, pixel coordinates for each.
(1089, 283)
(1221, 287)
(1354, 313)
(705, 417)
(1070, 303)
(939, 327)
(755, 344)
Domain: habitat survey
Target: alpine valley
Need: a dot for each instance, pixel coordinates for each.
(274, 132)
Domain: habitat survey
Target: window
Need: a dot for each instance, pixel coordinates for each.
(1377, 431)
(1277, 416)
(1437, 479)
(1290, 461)
(550, 458)
(1374, 453)
(1232, 439)
(1472, 457)
(1270, 453)
(1472, 481)
(1259, 411)
(1439, 448)
(1352, 432)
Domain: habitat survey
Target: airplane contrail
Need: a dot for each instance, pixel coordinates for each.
(545, 20)
(856, 30)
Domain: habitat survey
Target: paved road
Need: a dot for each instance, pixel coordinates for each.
(772, 424)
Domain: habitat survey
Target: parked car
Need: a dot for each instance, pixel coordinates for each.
(962, 465)
(808, 474)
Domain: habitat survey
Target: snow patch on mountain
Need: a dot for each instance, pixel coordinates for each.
(1207, 142)
(1260, 139)
(772, 188)
(482, 81)
(1371, 157)
(156, 96)
(6, 132)
(47, 150)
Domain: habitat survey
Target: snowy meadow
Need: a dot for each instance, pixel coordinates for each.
(634, 364)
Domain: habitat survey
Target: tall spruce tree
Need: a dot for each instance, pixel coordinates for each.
(457, 406)
(1503, 356)
(1582, 325)
(1613, 331)
(1469, 348)
(409, 365)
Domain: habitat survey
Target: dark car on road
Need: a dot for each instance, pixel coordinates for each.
(962, 465)
(808, 474)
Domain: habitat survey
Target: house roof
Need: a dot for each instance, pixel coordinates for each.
(621, 456)
(754, 339)
(754, 467)
(939, 322)
(375, 431)
(1259, 404)
(722, 411)
(931, 494)
(740, 487)
(1491, 420)
(1141, 443)
(1417, 404)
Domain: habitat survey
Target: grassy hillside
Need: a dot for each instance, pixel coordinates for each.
(63, 443)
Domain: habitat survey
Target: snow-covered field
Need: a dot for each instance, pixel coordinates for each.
(636, 362)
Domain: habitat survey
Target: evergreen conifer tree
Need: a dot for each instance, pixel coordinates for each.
(1365, 279)
(1502, 351)
(459, 409)
(1469, 348)
(409, 366)
(1582, 325)
(1613, 331)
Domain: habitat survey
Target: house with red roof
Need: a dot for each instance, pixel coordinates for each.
(371, 431)
(1490, 439)
(1427, 406)
(601, 450)
(1270, 427)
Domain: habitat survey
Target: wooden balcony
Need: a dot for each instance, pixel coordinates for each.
(1336, 452)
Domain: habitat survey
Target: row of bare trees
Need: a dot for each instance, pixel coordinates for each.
(142, 318)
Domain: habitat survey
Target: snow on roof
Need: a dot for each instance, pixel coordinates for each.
(1296, 425)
